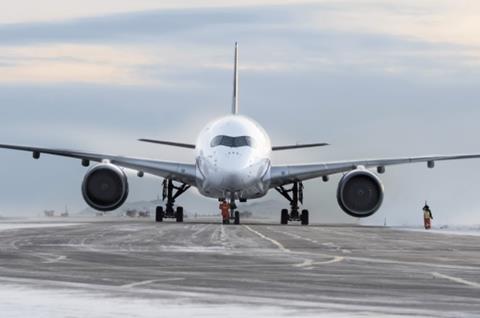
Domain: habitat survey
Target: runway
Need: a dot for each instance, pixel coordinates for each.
(254, 268)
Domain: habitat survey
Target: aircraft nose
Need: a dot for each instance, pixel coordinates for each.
(235, 170)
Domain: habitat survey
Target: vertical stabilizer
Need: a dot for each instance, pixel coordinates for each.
(235, 82)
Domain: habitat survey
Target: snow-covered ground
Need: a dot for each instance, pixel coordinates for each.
(18, 302)
(15, 226)
(447, 229)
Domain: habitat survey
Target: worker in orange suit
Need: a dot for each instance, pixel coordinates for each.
(427, 217)
(225, 208)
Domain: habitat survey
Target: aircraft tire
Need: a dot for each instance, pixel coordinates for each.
(284, 217)
(179, 214)
(159, 214)
(237, 217)
(304, 217)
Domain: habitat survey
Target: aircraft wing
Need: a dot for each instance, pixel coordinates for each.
(177, 171)
(281, 175)
(299, 146)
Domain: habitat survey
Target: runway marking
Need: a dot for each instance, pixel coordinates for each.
(390, 261)
(307, 263)
(50, 258)
(310, 264)
(276, 243)
(296, 236)
(456, 280)
(336, 259)
(148, 282)
(55, 260)
(223, 234)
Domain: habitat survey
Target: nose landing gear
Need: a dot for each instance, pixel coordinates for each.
(296, 196)
(171, 192)
(228, 212)
(234, 215)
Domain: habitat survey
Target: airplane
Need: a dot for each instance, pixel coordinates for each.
(232, 162)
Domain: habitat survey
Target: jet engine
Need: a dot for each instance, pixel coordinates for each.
(360, 193)
(105, 187)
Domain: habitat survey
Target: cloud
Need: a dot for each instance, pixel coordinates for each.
(71, 63)
(129, 27)
(444, 21)
(174, 47)
(58, 10)
(373, 78)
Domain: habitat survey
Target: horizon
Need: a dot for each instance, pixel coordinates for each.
(98, 77)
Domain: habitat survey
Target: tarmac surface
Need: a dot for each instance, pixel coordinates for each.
(344, 270)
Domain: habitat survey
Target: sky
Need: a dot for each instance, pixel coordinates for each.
(374, 78)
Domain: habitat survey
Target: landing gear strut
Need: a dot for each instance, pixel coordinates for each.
(171, 192)
(228, 211)
(234, 215)
(296, 196)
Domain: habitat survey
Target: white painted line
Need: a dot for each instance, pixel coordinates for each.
(148, 282)
(55, 260)
(50, 258)
(276, 243)
(336, 259)
(306, 263)
(223, 235)
(310, 264)
(457, 280)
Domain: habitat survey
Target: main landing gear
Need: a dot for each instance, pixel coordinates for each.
(296, 196)
(171, 192)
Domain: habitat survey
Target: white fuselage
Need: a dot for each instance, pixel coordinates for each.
(233, 159)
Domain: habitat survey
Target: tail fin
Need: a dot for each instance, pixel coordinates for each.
(235, 82)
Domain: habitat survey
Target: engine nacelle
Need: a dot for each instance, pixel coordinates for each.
(360, 193)
(105, 187)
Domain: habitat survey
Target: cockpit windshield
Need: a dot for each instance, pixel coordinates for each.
(233, 142)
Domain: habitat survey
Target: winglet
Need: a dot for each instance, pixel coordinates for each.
(235, 82)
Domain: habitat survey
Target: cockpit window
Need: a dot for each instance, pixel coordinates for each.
(233, 142)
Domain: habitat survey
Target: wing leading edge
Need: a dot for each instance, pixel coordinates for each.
(177, 171)
(192, 146)
(281, 175)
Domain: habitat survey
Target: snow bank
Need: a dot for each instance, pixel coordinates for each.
(14, 226)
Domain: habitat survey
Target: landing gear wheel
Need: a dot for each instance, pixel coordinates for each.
(159, 214)
(237, 217)
(179, 214)
(284, 217)
(304, 217)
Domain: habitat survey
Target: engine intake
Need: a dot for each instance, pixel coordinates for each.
(360, 193)
(105, 187)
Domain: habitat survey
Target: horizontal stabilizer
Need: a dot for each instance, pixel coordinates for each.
(298, 146)
(169, 143)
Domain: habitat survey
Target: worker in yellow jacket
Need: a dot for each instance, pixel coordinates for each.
(427, 217)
